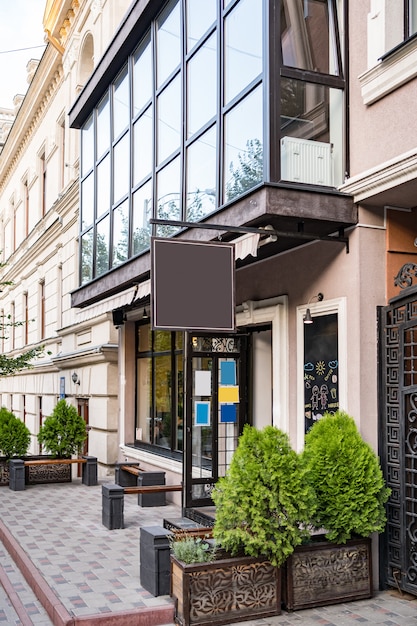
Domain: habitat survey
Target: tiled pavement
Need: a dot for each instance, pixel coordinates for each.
(86, 574)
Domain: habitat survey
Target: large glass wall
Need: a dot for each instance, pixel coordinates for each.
(183, 129)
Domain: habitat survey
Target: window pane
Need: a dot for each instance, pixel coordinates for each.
(121, 103)
(144, 399)
(169, 197)
(243, 46)
(142, 146)
(87, 146)
(202, 86)
(121, 168)
(102, 246)
(87, 201)
(142, 212)
(179, 435)
(169, 119)
(200, 16)
(103, 186)
(243, 163)
(163, 398)
(412, 17)
(87, 256)
(103, 126)
(142, 77)
(311, 133)
(201, 176)
(168, 42)
(120, 233)
(308, 36)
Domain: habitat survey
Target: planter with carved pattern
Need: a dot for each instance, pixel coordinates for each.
(225, 590)
(321, 573)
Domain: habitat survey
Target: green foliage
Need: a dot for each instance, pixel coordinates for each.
(346, 476)
(14, 435)
(192, 550)
(264, 503)
(64, 432)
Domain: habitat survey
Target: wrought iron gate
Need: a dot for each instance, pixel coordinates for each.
(398, 431)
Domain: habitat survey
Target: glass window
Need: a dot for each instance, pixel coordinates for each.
(103, 187)
(121, 167)
(308, 36)
(103, 126)
(87, 146)
(142, 76)
(202, 86)
(169, 120)
(243, 47)
(412, 17)
(103, 246)
(87, 201)
(200, 16)
(311, 133)
(87, 256)
(243, 150)
(169, 197)
(121, 109)
(142, 212)
(159, 403)
(121, 233)
(168, 42)
(201, 176)
(143, 146)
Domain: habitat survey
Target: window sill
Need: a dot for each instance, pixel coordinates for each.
(394, 70)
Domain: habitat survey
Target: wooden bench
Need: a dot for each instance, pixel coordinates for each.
(17, 477)
(152, 488)
(132, 469)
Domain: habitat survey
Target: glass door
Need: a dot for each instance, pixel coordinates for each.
(216, 410)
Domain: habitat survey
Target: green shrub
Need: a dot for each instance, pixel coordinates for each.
(346, 476)
(64, 432)
(264, 503)
(14, 435)
(192, 550)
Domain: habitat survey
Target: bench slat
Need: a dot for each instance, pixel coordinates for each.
(152, 489)
(131, 469)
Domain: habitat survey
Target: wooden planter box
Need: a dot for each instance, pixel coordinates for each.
(227, 590)
(323, 573)
(37, 475)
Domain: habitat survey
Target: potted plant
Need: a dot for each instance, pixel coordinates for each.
(262, 507)
(344, 471)
(14, 441)
(63, 433)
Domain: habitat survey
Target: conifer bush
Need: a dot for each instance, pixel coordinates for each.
(264, 502)
(346, 476)
(64, 432)
(14, 435)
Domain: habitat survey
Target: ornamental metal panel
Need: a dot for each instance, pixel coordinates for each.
(398, 421)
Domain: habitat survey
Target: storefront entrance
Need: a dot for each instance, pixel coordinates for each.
(216, 402)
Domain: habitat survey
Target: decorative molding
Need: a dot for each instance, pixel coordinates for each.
(392, 72)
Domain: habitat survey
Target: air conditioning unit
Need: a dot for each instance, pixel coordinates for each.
(306, 161)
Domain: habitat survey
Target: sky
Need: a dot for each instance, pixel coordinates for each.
(20, 27)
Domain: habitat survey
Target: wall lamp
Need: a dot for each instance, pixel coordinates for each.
(145, 315)
(307, 319)
(75, 379)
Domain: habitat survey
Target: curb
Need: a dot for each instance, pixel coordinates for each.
(155, 616)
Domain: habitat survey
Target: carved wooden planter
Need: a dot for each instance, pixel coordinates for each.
(227, 590)
(323, 573)
(38, 475)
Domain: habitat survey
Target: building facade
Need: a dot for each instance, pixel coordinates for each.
(268, 122)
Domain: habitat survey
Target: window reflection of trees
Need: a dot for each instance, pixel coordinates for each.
(248, 172)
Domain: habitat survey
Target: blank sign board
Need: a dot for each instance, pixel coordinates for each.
(193, 285)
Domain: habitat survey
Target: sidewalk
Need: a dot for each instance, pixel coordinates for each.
(80, 572)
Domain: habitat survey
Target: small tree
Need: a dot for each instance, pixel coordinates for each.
(264, 503)
(346, 476)
(64, 432)
(14, 435)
